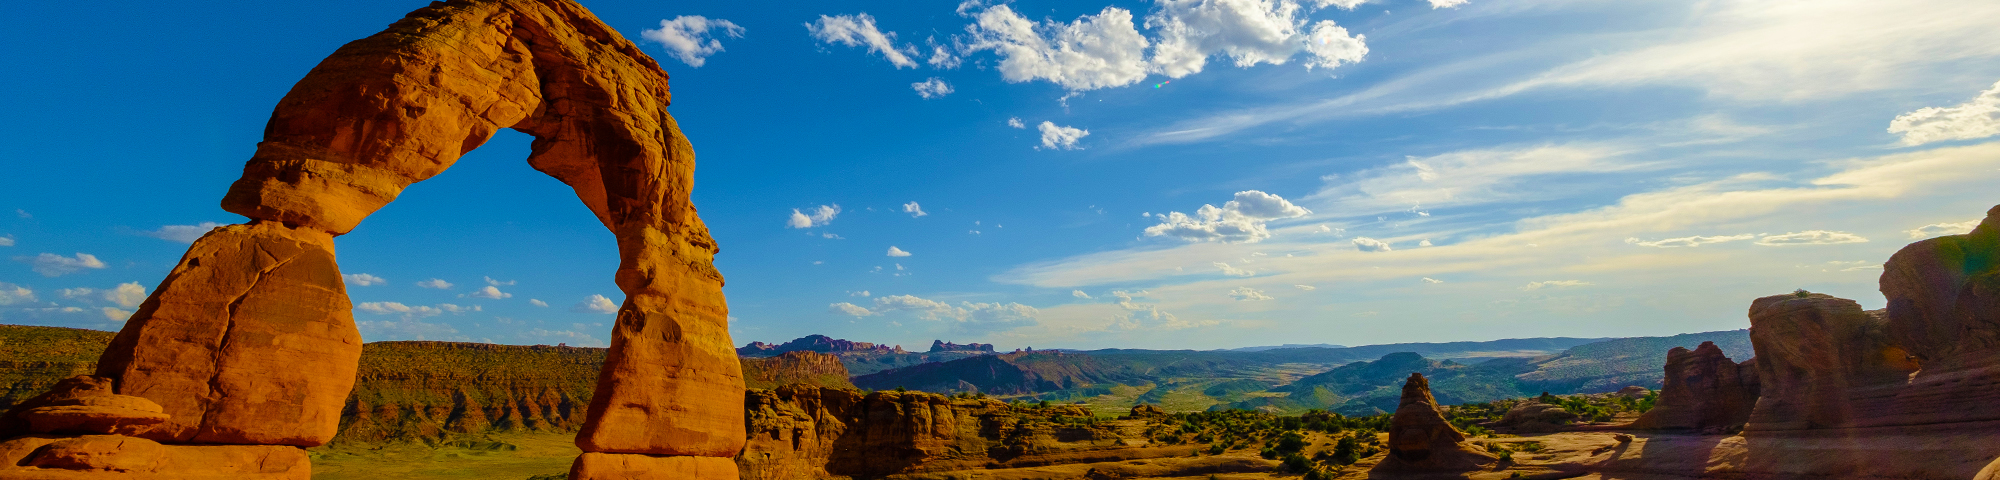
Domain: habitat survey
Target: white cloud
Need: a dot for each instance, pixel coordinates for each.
(1059, 137)
(596, 304)
(363, 279)
(1305, 287)
(52, 265)
(490, 292)
(1366, 244)
(1233, 271)
(1693, 241)
(942, 58)
(1249, 32)
(115, 315)
(821, 215)
(1241, 220)
(1978, 118)
(1554, 284)
(128, 295)
(845, 308)
(6, 240)
(914, 210)
(574, 338)
(182, 233)
(497, 283)
(1468, 177)
(11, 294)
(1343, 4)
(859, 30)
(933, 87)
(76, 293)
(1810, 237)
(538, 303)
(862, 293)
(1437, 4)
(897, 252)
(832, 236)
(1425, 243)
(687, 37)
(412, 311)
(1095, 51)
(1079, 294)
(1939, 229)
(1016, 122)
(435, 283)
(1432, 281)
(1245, 294)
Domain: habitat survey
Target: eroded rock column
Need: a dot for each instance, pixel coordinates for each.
(1420, 439)
(1704, 390)
(1821, 362)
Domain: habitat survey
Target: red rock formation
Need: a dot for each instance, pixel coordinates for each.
(249, 340)
(795, 367)
(1421, 440)
(1944, 309)
(1704, 390)
(1821, 362)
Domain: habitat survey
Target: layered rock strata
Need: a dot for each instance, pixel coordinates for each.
(1944, 310)
(249, 340)
(1420, 440)
(1822, 362)
(1704, 390)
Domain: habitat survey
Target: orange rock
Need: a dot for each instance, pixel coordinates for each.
(1421, 440)
(89, 457)
(123, 414)
(80, 386)
(1704, 389)
(116, 453)
(626, 466)
(249, 340)
(1821, 362)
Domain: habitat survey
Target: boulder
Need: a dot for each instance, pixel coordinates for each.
(1421, 440)
(1944, 311)
(1145, 410)
(50, 457)
(12, 424)
(1703, 390)
(249, 340)
(1821, 362)
(1536, 417)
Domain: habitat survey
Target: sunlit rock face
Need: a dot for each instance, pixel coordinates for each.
(1421, 440)
(250, 339)
(1703, 389)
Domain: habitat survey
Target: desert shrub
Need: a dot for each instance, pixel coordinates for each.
(1215, 449)
(1346, 451)
(1268, 453)
(1291, 442)
(1296, 463)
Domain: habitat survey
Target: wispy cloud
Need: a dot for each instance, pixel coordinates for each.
(859, 31)
(363, 279)
(181, 233)
(1055, 137)
(52, 265)
(688, 38)
(820, 216)
(596, 304)
(1979, 118)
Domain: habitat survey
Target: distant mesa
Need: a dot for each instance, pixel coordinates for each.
(944, 346)
(814, 343)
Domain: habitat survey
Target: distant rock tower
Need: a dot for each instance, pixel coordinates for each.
(250, 340)
(1420, 440)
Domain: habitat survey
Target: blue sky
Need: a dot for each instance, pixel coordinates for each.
(1171, 174)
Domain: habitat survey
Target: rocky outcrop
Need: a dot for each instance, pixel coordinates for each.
(249, 340)
(1821, 362)
(50, 457)
(1944, 310)
(944, 346)
(808, 432)
(1003, 374)
(1535, 417)
(795, 368)
(1420, 440)
(1705, 390)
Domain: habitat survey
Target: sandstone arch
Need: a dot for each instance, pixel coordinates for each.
(250, 339)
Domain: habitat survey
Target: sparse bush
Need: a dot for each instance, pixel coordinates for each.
(1801, 293)
(1296, 463)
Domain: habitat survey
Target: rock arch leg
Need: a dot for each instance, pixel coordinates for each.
(250, 340)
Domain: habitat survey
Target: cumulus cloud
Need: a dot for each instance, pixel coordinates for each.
(1694, 241)
(52, 265)
(858, 31)
(1248, 32)
(491, 292)
(933, 87)
(1233, 271)
(596, 304)
(1241, 220)
(862, 293)
(1060, 137)
(497, 283)
(363, 279)
(182, 233)
(128, 295)
(435, 283)
(115, 314)
(11, 294)
(914, 210)
(1011, 122)
(1978, 118)
(897, 252)
(1245, 294)
(687, 37)
(821, 215)
(1810, 237)
(1939, 229)
(1095, 51)
(1305, 287)
(1366, 244)
(538, 303)
(1079, 294)
(1554, 284)
(965, 317)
